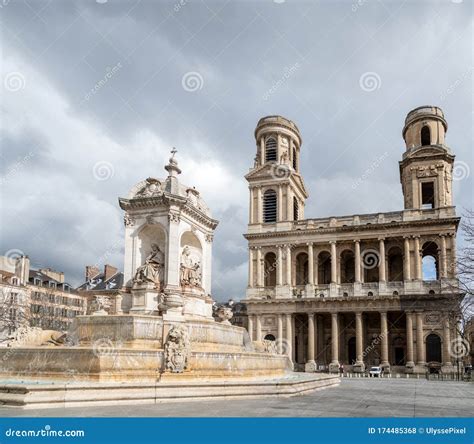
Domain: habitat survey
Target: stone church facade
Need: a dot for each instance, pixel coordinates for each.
(350, 290)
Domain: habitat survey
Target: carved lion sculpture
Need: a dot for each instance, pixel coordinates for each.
(177, 349)
(34, 337)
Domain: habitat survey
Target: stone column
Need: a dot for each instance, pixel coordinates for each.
(410, 361)
(289, 337)
(250, 327)
(382, 275)
(417, 259)
(288, 265)
(316, 270)
(259, 218)
(293, 334)
(446, 343)
(357, 261)
(452, 260)
(333, 262)
(279, 277)
(259, 328)
(289, 204)
(420, 346)
(406, 260)
(310, 364)
(251, 267)
(334, 366)
(280, 203)
(280, 333)
(384, 339)
(444, 264)
(251, 212)
(359, 365)
(310, 264)
(259, 268)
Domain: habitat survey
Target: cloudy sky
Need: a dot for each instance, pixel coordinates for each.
(95, 94)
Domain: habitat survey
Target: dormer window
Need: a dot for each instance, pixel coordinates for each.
(270, 150)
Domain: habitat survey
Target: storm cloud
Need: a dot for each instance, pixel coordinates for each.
(95, 94)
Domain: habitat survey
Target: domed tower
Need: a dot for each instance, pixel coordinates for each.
(427, 164)
(277, 191)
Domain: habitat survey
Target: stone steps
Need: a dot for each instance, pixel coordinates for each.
(29, 394)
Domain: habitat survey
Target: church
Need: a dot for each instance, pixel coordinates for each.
(353, 290)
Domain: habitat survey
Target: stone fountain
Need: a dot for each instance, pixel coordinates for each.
(166, 343)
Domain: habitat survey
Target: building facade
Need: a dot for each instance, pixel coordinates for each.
(36, 298)
(358, 290)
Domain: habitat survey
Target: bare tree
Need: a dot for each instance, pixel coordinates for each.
(465, 269)
(14, 309)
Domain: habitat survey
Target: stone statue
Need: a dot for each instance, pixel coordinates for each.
(284, 157)
(100, 305)
(177, 349)
(190, 271)
(27, 336)
(150, 271)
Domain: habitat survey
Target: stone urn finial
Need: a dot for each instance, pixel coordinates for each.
(224, 314)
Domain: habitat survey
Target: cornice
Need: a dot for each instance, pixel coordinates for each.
(353, 229)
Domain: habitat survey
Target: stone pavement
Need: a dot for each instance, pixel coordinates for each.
(354, 397)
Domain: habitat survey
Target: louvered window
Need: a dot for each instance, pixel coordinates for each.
(295, 208)
(270, 150)
(269, 206)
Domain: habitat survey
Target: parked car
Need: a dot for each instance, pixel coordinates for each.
(375, 372)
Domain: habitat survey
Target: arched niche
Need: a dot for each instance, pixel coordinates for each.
(148, 235)
(191, 260)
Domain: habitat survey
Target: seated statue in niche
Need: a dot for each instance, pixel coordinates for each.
(190, 270)
(150, 271)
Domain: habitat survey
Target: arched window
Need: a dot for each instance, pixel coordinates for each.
(425, 135)
(301, 269)
(395, 265)
(296, 209)
(370, 264)
(269, 337)
(270, 265)
(270, 150)
(347, 267)
(430, 269)
(295, 159)
(269, 206)
(324, 268)
(433, 348)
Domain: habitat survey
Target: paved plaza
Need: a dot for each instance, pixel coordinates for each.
(354, 397)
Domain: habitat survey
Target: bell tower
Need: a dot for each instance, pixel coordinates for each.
(277, 191)
(427, 164)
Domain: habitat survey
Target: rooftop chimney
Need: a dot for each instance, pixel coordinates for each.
(109, 271)
(91, 271)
